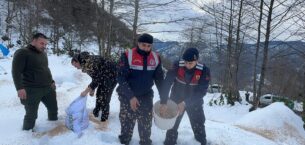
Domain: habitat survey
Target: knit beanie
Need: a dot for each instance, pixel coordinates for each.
(146, 38)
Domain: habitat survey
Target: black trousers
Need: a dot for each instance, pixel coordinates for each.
(128, 119)
(197, 119)
(103, 97)
(47, 96)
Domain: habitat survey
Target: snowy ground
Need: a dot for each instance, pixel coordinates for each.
(225, 125)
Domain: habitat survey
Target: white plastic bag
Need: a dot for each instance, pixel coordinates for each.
(77, 118)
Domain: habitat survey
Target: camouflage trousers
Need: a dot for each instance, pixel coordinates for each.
(103, 98)
(128, 119)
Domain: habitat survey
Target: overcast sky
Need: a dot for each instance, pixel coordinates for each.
(188, 10)
(182, 10)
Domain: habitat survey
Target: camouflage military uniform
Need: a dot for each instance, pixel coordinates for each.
(103, 73)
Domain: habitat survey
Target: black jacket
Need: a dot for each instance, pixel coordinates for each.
(190, 94)
(138, 83)
(30, 68)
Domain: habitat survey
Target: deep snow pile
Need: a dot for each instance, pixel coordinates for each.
(276, 122)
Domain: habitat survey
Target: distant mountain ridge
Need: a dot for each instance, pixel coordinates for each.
(171, 49)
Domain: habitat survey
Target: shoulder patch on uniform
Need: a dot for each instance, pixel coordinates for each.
(181, 63)
(199, 67)
(199, 64)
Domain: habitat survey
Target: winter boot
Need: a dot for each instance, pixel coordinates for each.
(96, 112)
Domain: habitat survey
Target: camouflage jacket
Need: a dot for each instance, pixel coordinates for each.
(103, 72)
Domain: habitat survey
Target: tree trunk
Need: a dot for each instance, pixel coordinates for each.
(103, 32)
(108, 55)
(135, 22)
(98, 27)
(266, 45)
(104, 38)
(99, 45)
(229, 72)
(303, 97)
(223, 78)
(238, 49)
(8, 20)
(304, 87)
(255, 97)
(56, 39)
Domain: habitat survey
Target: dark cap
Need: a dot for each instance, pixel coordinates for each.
(146, 38)
(190, 54)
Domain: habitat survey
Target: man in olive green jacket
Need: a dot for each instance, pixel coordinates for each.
(33, 80)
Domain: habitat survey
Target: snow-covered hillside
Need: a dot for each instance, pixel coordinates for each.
(225, 125)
